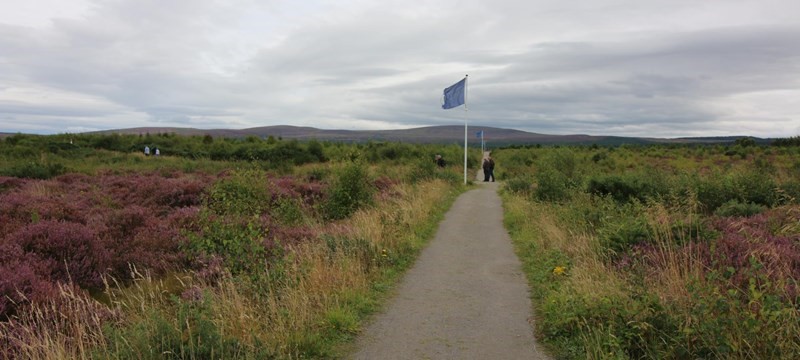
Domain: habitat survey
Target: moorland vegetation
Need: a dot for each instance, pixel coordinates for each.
(218, 248)
(660, 252)
(267, 248)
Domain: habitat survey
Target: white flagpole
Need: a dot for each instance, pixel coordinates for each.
(465, 128)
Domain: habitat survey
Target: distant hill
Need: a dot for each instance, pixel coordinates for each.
(432, 134)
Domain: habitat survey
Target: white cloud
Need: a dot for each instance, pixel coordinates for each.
(610, 67)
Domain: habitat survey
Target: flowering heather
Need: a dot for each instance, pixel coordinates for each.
(153, 191)
(40, 255)
(747, 245)
(7, 183)
(755, 247)
(310, 193)
(22, 206)
(67, 250)
(133, 235)
(77, 228)
(21, 280)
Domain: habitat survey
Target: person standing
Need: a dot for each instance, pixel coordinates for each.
(146, 151)
(488, 169)
(439, 161)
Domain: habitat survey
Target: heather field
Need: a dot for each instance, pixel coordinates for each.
(219, 248)
(665, 252)
(266, 248)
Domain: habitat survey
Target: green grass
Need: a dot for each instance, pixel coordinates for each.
(623, 256)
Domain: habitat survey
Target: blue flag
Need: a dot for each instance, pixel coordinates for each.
(454, 95)
(479, 134)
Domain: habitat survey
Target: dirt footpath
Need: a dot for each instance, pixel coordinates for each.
(465, 298)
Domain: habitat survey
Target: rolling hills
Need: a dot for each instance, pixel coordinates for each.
(432, 134)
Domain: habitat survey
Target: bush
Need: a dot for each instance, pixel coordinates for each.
(556, 175)
(421, 170)
(351, 191)
(790, 191)
(619, 238)
(736, 208)
(714, 191)
(519, 185)
(551, 185)
(243, 193)
(242, 246)
(35, 170)
(628, 187)
(596, 158)
(756, 187)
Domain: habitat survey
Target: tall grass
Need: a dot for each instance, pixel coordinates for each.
(693, 255)
(69, 326)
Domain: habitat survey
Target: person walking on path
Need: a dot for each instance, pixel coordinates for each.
(488, 169)
(465, 297)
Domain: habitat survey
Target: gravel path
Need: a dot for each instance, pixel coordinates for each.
(466, 296)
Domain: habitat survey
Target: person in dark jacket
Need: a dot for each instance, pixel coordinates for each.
(439, 161)
(488, 169)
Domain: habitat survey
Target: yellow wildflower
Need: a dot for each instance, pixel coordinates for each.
(559, 270)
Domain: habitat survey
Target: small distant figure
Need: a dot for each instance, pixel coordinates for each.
(146, 151)
(158, 152)
(439, 161)
(488, 169)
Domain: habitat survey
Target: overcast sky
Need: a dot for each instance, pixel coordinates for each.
(624, 67)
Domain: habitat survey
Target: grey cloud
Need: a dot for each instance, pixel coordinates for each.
(536, 67)
(17, 108)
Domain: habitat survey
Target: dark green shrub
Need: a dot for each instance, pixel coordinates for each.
(556, 175)
(790, 191)
(241, 245)
(620, 237)
(245, 192)
(751, 186)
(35, 170)
(714, 191)
(552, 185)
(562, 161)
(288, 211)
(736, 208)
(351, 190)
(316, 150)
(519, 185)
(756, 187)
(641, 186)
(599, 157)
(745, 142)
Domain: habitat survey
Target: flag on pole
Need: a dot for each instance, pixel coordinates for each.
(454, 95)
(479, 134)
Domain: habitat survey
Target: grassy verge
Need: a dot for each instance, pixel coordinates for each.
(659, 252)
(682, 293)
